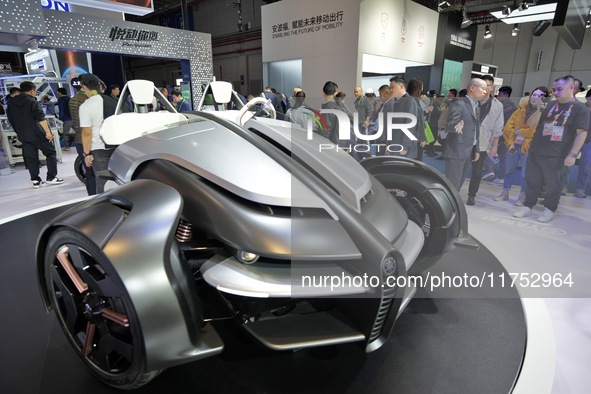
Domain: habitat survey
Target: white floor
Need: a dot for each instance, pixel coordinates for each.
(558, 357)
(17, 195)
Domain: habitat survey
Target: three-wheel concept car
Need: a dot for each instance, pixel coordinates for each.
(223, 213)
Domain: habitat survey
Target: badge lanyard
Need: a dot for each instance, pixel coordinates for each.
(566, 114)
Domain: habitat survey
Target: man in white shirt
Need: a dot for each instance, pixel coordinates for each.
(91, 120)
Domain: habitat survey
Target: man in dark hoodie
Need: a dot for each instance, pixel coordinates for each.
(26, 116)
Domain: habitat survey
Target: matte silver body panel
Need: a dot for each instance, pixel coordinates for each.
(220, 156)
(138, 244)
(337, 167)
(262, 280)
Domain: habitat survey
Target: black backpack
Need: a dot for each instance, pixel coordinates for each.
(109, 105)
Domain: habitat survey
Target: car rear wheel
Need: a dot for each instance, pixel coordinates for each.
(94, 310)
(80, 168)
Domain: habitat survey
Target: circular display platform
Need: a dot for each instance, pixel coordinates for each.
(462, 341)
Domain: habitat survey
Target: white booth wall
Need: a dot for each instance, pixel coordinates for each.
(328, 50)
(334, 49)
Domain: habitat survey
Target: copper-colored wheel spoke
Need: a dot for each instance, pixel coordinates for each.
(90, 327)
(63, 258)
(115, 316)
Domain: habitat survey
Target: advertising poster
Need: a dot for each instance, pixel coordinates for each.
(71, 64)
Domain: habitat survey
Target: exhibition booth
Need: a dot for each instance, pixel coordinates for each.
(26, 23)
(363, 44)
(491, 335)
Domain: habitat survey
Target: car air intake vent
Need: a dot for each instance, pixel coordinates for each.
(383, 312)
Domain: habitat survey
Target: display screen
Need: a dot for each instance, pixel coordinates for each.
(72, 64)
(569, 21)
(135, 7)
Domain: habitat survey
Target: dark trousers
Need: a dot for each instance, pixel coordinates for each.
(362, 154)
(100, 163)
(538, 169)
(476, 174)
(90, 180)
(456, 171)
(31, 157)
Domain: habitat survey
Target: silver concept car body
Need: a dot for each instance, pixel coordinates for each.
(224, 215)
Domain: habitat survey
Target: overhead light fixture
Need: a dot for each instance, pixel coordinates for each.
(465, 20)
(588, 24)
(443, 5)
(507, 10)
(533, 13)
(515, 30)
(523, 6)
(487, 33)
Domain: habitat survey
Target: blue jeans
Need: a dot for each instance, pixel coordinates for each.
(502, 153)
(512, 162)
(584, 167)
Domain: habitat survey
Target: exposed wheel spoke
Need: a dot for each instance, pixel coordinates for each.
(117, 317)
(70, 302)
(63, 257)
(90, 329)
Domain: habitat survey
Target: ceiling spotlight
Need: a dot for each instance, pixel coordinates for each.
(487, 33)
(588, 24)
(465, 21)
(515, 30)
(507, 10)
(443, 5)
(523, 6)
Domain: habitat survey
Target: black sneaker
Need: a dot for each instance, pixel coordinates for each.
(37, 184)
(470, 200)
(55, 181)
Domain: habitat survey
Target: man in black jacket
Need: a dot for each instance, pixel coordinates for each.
(26, 116)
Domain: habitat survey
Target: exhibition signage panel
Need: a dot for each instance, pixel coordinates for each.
(398, 29)
(458, 43)
(94, 34)
(306, 28)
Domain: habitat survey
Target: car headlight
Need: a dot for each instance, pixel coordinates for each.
(247, 257)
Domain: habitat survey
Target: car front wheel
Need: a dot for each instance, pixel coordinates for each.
(94, 310)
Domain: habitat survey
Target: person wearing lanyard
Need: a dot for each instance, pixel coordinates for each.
(179, 102)
(559, 136)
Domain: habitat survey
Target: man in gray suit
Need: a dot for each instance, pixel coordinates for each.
(463, 124)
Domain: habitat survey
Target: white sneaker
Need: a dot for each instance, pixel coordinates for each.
(488, 177)
(546, 216)
(55, 181)
(503, 196)
(522, 212)
(38, 184)
(498, 181)
(520, 200)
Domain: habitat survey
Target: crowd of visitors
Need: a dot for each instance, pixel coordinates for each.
(477, 132)
(482, 134)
